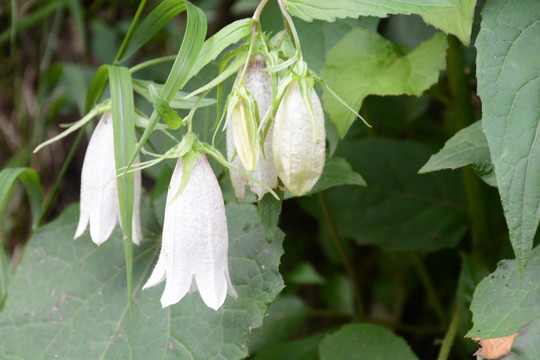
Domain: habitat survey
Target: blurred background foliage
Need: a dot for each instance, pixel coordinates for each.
(412, 242)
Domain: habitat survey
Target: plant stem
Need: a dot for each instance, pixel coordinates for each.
(448, 340)
(428, 286)
(464, 115)
(341, 249)
(290, 24)
(152, 62)
(258, 10)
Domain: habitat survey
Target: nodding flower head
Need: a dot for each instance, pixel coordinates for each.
(259, 85)
(195, 240)
(99, 192)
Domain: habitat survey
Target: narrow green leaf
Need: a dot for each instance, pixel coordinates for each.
(505, 301)
(456, 21)
(467, 147)
(97, 85)
(123, 111)
(218, 42)
(5, 275)
(187, 58)
(364, 342)
(309, 10)
(30, 180)
(509, 84)
(171, 117)
(364, 63)
(157, 18)
(130, 32)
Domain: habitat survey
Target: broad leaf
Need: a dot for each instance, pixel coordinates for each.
(330, 10)
(456, 21)
(364, 63)
(67, 298)
(397, 202)
(337, 171)
(504, 301)
(509, 84)
(303, 349)
(526, 345)
(364, 342)
(467, 147)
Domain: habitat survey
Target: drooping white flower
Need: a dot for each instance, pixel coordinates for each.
(99, 192)
(195, 240)
(258, 83)
(298, 157)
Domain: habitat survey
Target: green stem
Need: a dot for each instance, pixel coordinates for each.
(343, 253)
(429, 288)
(130, 32)
(258, 10)
(464, 115)
(448, 340)
(290, 24)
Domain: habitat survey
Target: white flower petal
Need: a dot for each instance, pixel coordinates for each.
(195, 239)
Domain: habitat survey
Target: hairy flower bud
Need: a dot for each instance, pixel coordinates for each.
(298, 154)
(259, 85)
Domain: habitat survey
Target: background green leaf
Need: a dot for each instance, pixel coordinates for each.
(526, 344)
(330, 10)
(397, 202)
(467, 147)
(67, 298)
(509, 84)
(365, 63)
(504, 301)
(456, 21)
(364, 341)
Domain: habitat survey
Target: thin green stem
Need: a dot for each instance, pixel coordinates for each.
(343, 253)
(258, 10)
(152, 62)
(130, 32)
(448, 340)
(290, 24)
(429, 288)
(464, 115)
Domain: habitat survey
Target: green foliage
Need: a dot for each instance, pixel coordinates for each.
(505, 301)
(457, 21)
(329, 11)
(508, 86)
(364, 63)
(467, 147)
(30, 179)
(395, 204)
(364, 341)
(82, 309)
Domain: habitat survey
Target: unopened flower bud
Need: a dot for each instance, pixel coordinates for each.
(299, 149)
(258, 84)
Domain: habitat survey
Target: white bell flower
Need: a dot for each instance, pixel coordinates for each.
(99, 192)
(195, 240)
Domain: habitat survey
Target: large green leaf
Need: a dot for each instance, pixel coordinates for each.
(67, 298)
(526, 345)
(467, 147)
(457, 21)
(397, 202)
(504, 301)
(364, 342)
(509, 84)
(364, 63)
(330, 10)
